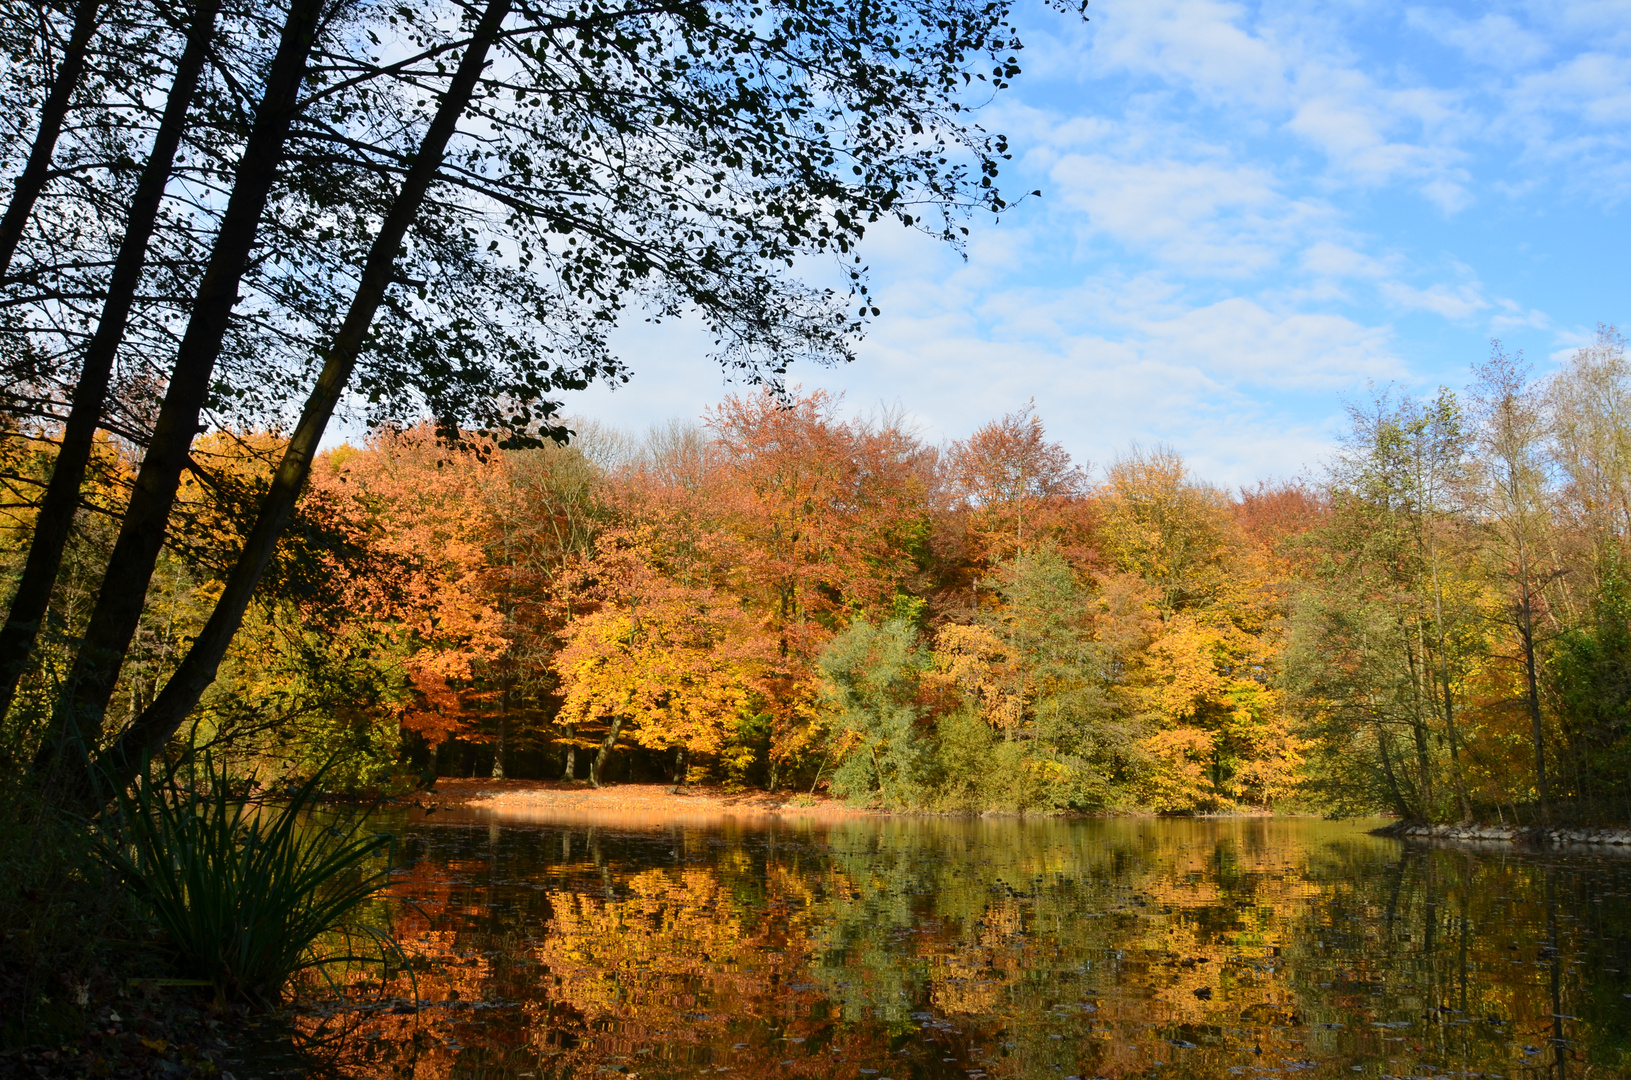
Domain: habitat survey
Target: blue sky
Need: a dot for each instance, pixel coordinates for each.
(1249, 210)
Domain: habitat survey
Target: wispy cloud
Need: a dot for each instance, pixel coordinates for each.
(1451, 301)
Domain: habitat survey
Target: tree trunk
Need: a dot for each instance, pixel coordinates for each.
(55, 519)
(503, 730)
(1424, 767)
(1418, 726)
(1458, 780)
(31, 181)
(95, 672)
(604, 752)
(571, 770)
(681, 769)
(1456, 776)
(1526, 630)
(197, 670)
(1400, 805)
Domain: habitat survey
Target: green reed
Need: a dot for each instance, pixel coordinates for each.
(247, 892)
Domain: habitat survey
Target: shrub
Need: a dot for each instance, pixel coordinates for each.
(869, 693)
(244, 892)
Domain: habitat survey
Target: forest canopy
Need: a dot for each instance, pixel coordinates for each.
(230, 222)
(788, 595)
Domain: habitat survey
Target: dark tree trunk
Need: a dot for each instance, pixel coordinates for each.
(681, 769)
(55, 519)
(1400, 805)
(31, 181)
(604, 752)
(1454, 735)
(1526, 630)
(503, 731)
(123, 595)
(161, 720)
(570, 772)
(1424, 767)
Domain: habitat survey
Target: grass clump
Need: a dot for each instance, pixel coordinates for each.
(246, 893)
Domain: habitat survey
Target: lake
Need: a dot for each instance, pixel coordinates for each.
(886, 949)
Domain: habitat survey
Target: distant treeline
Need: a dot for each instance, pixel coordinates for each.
(779, 597)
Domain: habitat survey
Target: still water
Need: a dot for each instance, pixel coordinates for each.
(891, 949)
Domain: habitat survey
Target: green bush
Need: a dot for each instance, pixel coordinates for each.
(869, 690)
(245, 893)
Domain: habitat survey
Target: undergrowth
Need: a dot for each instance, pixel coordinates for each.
(247, 894)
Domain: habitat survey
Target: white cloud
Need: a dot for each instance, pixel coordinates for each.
(1495, 40)
(1198, 42)
(1513, 316)
(1452, 302)
(1295, 73)
(1335, 260)
(1250, 344)
(1209, 216)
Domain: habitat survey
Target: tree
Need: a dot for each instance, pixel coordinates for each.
(96, 666)
(1393, 616)
(1587, 407)
(871, 696)
(53, 111)
(541, 522)
(717, 165)
(664, 660)
(822, 517)
(1201, 679)
(1512, 434)
(1079, 741)
(1016, 487)
(61, 499)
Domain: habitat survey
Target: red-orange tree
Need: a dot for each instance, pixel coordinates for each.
(823, 519)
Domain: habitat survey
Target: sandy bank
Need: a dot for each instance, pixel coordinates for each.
(554, 800)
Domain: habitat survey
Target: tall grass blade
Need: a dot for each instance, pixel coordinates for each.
(244, 892)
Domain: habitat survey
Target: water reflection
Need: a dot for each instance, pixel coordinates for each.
(902, 949)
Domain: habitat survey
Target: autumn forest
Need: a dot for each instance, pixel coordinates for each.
(789, 596)
(371, 706)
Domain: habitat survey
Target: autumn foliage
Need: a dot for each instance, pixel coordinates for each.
(787, 596)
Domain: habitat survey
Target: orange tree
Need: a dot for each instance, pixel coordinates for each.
(423, 502)
(824, 519)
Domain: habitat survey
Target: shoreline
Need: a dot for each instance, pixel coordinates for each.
(569, 800)
(1508, 834)
(564, 799)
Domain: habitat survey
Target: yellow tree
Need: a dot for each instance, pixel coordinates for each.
(1204, 680)
(670, 663)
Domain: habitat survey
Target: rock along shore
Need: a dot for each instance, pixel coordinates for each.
(1511, 834)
